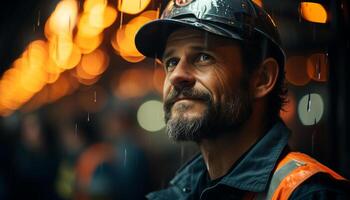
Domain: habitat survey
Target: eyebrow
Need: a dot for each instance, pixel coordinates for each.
(195, 48)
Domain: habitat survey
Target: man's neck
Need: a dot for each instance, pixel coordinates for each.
(222, 153)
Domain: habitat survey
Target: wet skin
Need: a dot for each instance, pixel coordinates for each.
(205, 62)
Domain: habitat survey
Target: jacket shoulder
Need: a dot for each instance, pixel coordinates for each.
(292, 171)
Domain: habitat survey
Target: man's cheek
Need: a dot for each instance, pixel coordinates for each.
(166, 89)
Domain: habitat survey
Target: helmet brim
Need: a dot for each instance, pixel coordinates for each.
(151, 38)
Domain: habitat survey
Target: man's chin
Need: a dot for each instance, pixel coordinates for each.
(185, 128)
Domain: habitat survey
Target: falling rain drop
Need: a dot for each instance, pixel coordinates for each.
(121, 14)
(76, 129)
(308, 107)
(69, 24)
(38, 21)
(88, 117)
(140, 1)
(318, 68)
(121, 20)
(313, 138)
(95, 97)
(158, 10)
(125, 155)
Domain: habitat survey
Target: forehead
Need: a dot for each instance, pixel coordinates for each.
(197, 37)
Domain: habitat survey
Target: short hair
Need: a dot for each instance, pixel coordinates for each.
(254, 51)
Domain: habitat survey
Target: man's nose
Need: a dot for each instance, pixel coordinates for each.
(182, 76)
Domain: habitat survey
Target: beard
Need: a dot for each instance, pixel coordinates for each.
(216, 119)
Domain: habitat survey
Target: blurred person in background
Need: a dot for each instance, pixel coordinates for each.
(114, 167)
(35, 160)
(73, 141)
(224, 89)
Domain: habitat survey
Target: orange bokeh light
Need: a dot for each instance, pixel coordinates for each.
(64, 53)
(85, 29)
(96, 17)
(123, 42)
(132, 59)
(51, 67)
(63, 19)
(58, 89)
(31, 78)
(296, 72)
(80, 73)
(158, 79)
(90, 5)
(95, 63)
(37, 53)
(313, 12)
(88, 81)
(60, 49)
(52, 77)
(88, 44)
(8, 98)
(12, 87)
(132, 6)
(102, 17)
(134, 83)
(42, 62)
(318, 67)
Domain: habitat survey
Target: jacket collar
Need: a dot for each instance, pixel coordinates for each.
(253, 171)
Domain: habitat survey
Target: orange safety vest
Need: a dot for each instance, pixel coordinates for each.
(292, 171)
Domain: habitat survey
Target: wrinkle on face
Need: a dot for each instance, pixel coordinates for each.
(221, 78)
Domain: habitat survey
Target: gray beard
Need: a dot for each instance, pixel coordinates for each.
(217, 119)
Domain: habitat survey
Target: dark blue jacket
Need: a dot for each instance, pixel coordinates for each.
(251, 174)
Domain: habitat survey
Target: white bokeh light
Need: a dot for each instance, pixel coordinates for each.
(150, 116)
(310, 109)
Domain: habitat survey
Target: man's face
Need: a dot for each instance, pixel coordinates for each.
(204, 93)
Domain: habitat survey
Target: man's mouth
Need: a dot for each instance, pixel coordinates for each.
(186, 99)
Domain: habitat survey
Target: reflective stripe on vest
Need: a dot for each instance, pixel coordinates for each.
(291, 171)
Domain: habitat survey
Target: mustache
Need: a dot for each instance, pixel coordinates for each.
(190, 93)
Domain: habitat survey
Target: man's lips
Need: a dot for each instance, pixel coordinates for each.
(186, 99)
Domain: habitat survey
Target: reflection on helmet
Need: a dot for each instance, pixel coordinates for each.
(237, 19)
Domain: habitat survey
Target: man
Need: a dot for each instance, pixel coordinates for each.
(223, 90)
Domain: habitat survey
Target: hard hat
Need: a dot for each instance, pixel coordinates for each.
(242, 20)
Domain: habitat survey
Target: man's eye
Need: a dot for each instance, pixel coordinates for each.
(203, 58)
(171, 63)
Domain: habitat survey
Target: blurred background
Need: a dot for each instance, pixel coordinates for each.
(80, 108)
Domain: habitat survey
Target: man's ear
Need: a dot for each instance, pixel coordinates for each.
(265, 78)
